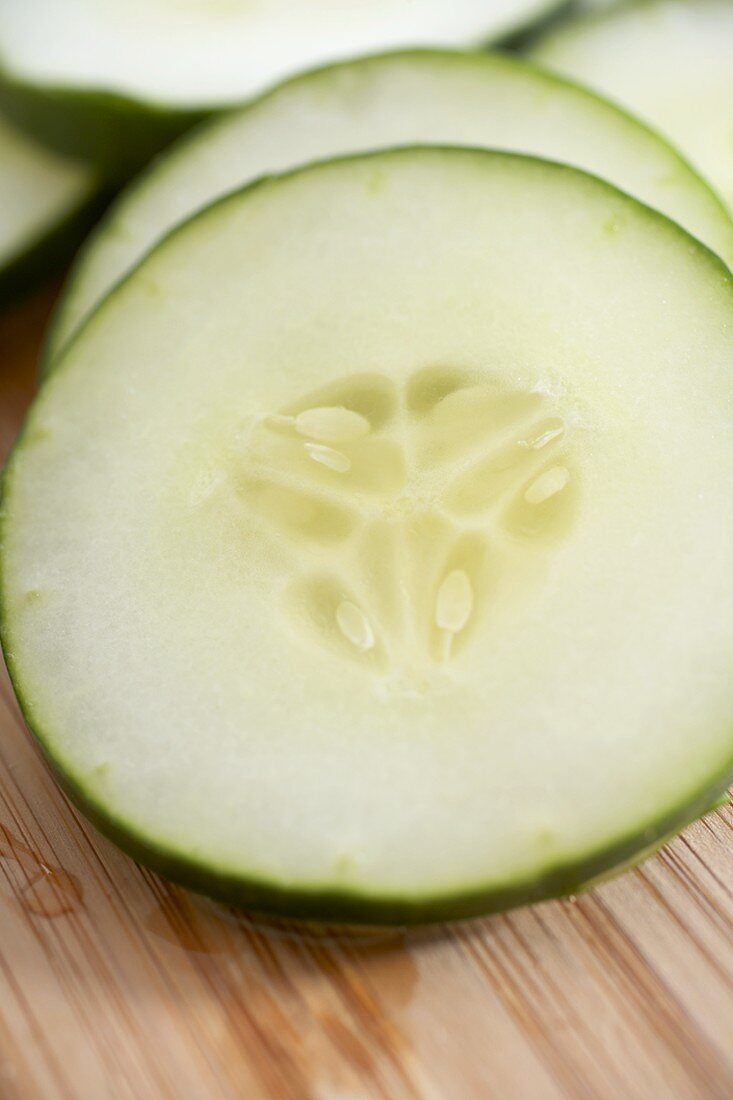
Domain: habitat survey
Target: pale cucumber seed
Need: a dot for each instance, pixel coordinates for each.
(454, 604)
(332, 424)
(354, 625)
(327, 456)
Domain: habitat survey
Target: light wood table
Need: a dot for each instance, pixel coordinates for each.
(114, 984)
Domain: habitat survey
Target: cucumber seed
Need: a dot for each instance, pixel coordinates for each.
(454, 604)
(327, 456)
(332, 424)
(354, 625)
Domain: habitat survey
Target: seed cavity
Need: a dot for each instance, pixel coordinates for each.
(431, 490)
(547, 485)
(327, 456)
(354, 625)
(332, 424)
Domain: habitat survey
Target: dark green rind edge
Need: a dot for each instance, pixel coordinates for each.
(52, 350)
(120, 133)
(50, 252)
(525, 37)
(585, 18)
(320, 903)
(117, 134)
(344, 907)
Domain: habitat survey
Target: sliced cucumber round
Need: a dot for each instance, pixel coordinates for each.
(368, 554)
(45, 206)
(431, 96)
(114, 81)
(671, 62)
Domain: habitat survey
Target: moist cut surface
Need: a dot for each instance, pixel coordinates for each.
(395, 492)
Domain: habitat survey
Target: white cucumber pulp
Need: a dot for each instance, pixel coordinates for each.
(669, 61)
(405, 98)
(368, 554)
(39, 193)
(212, 53)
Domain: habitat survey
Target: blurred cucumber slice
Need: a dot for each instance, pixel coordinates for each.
(669, 61)
(115, 80)
(393, 99)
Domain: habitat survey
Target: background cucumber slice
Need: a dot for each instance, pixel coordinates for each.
(423, 97)
(671, 62)
(397, 493)
(114, 81)
(45, 206)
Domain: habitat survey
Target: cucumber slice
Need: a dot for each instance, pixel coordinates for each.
(431, 96)
(45, 206)
(368, 555)
(671, 62)
(115, 81)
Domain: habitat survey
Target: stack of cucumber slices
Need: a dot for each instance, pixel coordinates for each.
(90, 90)
(365, 554)
(425, 97)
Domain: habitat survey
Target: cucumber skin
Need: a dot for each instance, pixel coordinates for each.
(349, 908)
(117, 134)
(52, 251)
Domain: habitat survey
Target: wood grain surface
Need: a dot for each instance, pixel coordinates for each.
(115, 984)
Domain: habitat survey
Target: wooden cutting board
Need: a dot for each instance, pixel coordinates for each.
(115, 984)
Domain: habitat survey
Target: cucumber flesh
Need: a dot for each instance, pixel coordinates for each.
(40, 194)
(415, 97)
(212, 53)
(669, 61)
(396, 494)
